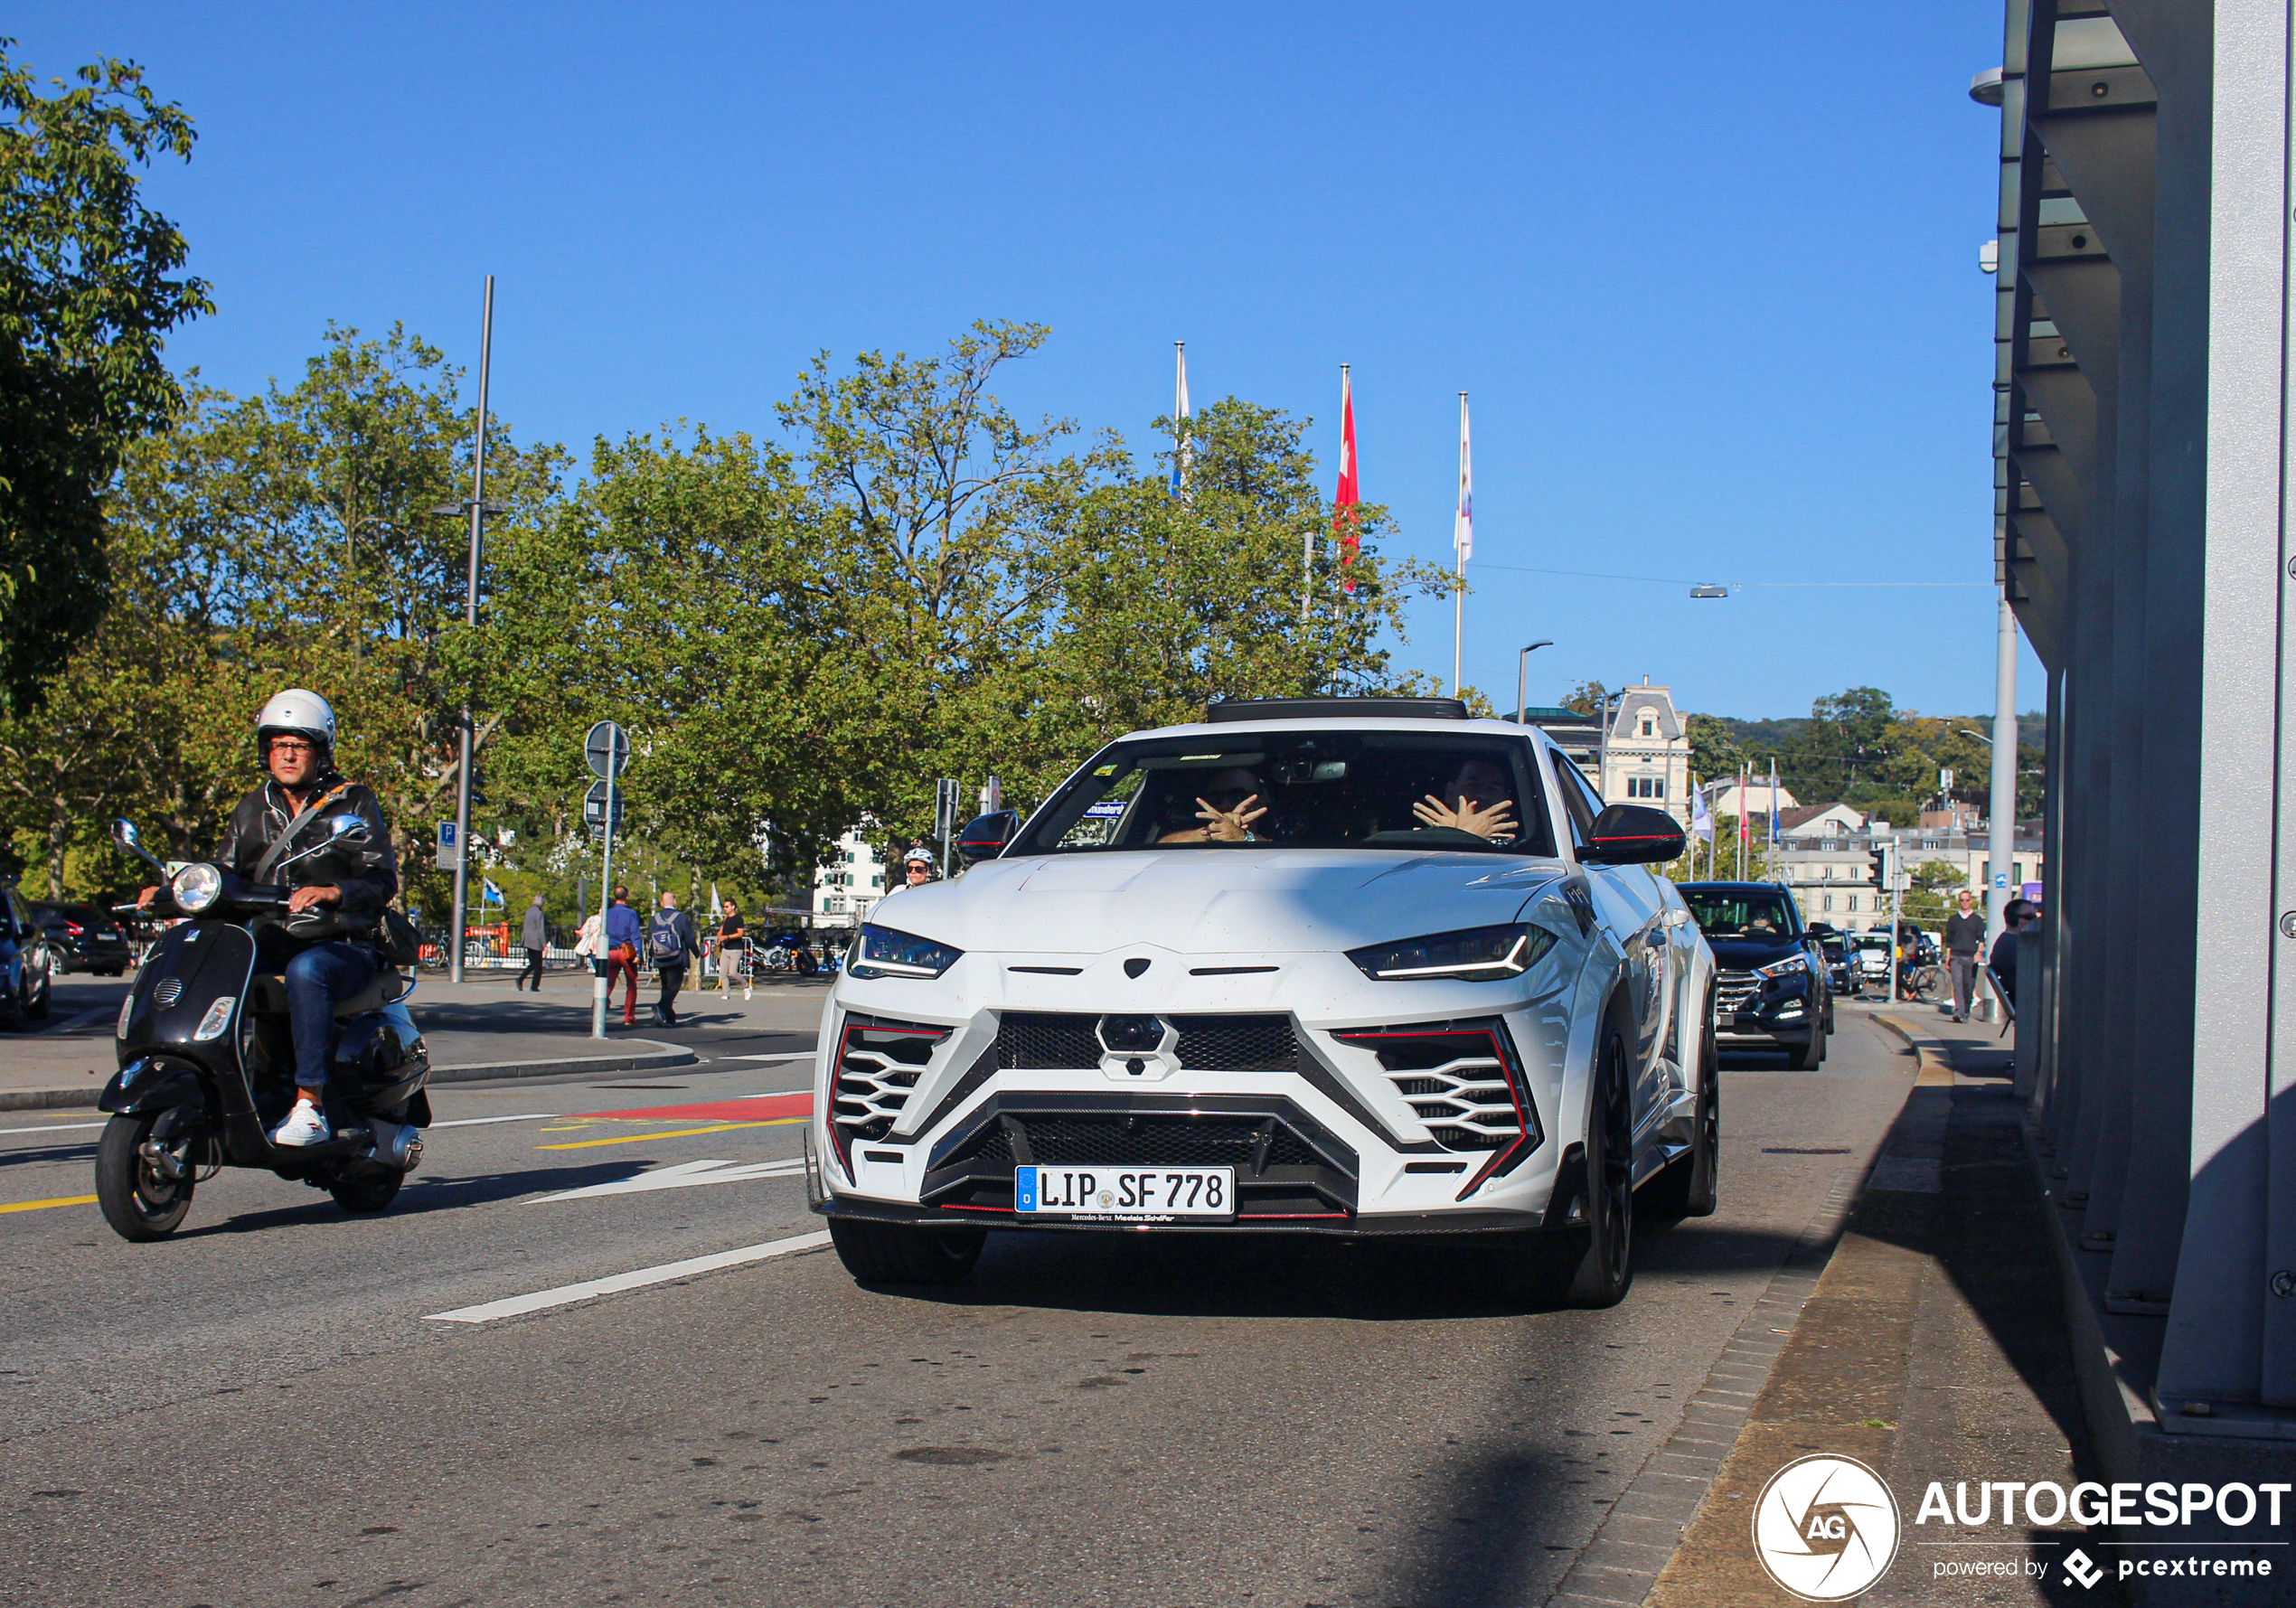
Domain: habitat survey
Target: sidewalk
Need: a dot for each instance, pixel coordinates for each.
(481, 1029)
(1933, 1349)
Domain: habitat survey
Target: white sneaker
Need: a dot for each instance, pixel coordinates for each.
(303, 1126)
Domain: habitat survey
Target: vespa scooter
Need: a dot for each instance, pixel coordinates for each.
(207, 1062)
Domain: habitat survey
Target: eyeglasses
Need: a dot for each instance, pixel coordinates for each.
(288, 744)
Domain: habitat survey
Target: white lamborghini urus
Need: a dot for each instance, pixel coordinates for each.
(1357, 967)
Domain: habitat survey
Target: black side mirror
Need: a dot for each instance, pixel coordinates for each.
(1633, 834)
(985, 837)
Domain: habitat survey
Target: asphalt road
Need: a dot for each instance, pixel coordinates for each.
(265, 1410)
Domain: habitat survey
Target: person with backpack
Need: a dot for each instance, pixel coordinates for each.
(671, 944)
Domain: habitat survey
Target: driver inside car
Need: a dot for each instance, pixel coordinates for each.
(1478, 799)
(325, 940)
(1227, 804)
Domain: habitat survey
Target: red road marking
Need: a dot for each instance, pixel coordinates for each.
(715, 1111)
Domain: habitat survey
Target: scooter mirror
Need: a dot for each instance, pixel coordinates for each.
(348, 829)
(125, 834)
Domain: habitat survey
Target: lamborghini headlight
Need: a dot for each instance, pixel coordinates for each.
(881, 952)
(197, 886)
(1475, 953)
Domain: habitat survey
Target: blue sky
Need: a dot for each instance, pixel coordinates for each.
(1709, 272)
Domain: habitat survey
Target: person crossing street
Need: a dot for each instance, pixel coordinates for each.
(622, 954)
(671, 944)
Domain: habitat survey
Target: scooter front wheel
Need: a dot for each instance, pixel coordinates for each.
(138, 1199)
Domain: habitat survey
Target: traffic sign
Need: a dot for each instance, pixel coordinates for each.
(594, 807)
(606, 749)
(450, 852)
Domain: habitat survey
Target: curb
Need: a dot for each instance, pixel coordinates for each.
(655, 1057)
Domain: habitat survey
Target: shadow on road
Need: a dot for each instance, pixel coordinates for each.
(421, 1195)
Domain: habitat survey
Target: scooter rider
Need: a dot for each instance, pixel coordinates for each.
(325, 944)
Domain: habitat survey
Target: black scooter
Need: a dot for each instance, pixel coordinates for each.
(207, 1062)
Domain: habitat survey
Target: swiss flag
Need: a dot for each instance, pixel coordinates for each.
(1344, 501)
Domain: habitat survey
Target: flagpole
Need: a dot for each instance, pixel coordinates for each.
(1462, 541)
(1180, 420)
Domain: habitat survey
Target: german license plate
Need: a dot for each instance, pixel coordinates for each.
(1124, 1193)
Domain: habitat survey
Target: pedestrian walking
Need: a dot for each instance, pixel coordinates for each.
(622, 954)
(1965, 942)
(535, 933)
(733, 949)
(671, 945)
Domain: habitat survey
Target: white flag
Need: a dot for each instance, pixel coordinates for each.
(1181, 450)
(1701, 815)
(1462, 529)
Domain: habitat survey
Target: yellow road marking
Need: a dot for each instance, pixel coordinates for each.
(45, 1205)
(673, 1134)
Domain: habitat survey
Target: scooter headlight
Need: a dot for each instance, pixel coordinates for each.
(196, 887)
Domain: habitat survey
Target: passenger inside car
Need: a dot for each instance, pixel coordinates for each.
(1478, 799)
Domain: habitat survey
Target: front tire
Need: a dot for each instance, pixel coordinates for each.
(40, 993)
(1811, 1051)
(894, 1253)
(138, 1203)
(1601, 1275)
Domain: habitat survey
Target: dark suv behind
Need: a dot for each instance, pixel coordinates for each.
(82, 938)
(1770, 971)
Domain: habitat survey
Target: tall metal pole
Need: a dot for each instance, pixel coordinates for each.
(602, 983)
(470, 618)
(1522, 673)
(2000, 839)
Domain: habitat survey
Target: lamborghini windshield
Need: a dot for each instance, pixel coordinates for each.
(1300, 789)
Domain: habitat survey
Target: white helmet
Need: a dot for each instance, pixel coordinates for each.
(296, 713)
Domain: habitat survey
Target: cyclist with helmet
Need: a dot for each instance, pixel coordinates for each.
(324, 942)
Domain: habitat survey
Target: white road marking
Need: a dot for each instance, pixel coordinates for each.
(683, 1175)
(472, 1122)
(566, 1294)
(54, 1128)
(803, 1056)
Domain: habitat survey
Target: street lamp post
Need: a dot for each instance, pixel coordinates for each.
(478, 511)
(1522, 673)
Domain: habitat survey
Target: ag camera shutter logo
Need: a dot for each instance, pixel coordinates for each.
(1825, 1527)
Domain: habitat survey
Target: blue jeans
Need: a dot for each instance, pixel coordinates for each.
(318, 978)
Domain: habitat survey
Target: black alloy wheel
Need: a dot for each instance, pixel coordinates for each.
(895, 1254)
(137, 1197)
(1600, 1273)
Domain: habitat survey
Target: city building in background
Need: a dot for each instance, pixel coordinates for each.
(849, 882)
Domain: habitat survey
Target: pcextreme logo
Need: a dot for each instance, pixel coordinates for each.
(1825, 1527)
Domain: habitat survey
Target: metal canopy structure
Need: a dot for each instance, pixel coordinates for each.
(2139, 435)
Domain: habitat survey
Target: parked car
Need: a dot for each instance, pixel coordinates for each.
(1771, 981)
(1231, 977)
(83, 938)
(27, 965)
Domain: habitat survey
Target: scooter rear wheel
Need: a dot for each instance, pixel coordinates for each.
(137, 1201)
(366, 1194)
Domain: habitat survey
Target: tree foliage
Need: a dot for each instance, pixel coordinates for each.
(89, 286)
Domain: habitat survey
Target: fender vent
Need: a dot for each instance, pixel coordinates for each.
(170, 990)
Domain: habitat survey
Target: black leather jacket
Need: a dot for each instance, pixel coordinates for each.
(368, 874)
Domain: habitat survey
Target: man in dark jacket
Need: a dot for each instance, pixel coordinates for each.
(283, 833)
(671, 944)
(1965, 942)
(534, 933)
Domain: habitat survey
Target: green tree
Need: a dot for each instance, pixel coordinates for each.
(1586, 698)
(87, 288)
